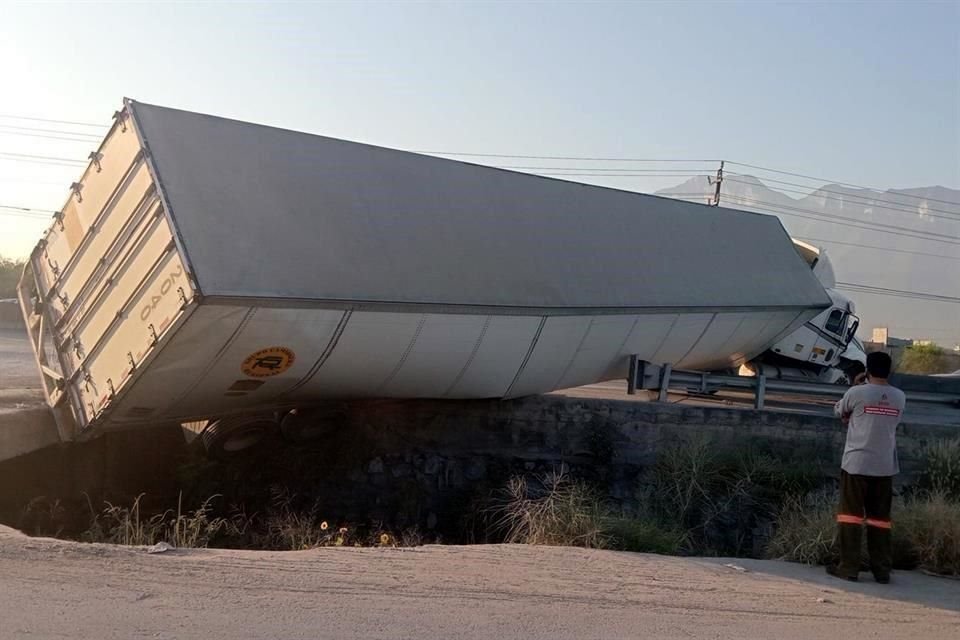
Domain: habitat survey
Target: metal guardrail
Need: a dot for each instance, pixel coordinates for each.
(661, 378)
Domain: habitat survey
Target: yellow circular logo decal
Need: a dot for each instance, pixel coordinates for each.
(268, 362)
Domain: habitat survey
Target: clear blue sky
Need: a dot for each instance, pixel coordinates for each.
(862, 92)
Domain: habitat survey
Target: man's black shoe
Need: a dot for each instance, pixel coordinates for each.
(834, 571)
(881, 579)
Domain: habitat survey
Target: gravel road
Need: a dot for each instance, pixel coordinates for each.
(57, 589)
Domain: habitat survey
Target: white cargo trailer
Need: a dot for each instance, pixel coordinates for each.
(204, 268)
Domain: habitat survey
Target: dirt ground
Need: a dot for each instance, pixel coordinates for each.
(56, 589)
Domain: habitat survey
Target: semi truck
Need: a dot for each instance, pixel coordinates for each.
(224, 275)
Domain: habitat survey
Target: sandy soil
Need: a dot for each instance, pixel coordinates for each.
(56, 589)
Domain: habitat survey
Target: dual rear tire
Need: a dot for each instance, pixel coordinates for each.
(226, 437)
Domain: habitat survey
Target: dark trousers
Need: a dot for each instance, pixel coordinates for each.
(865, 500)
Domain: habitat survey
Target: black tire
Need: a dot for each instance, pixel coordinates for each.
(227, 437)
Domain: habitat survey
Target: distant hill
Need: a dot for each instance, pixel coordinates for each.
(848, 216)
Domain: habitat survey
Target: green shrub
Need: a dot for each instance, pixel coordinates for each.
(923, 359)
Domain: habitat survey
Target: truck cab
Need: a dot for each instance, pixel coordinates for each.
(819, 349)
(821, 341)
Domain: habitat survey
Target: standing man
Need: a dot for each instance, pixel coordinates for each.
(871, 412)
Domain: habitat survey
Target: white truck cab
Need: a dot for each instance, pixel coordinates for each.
(821, 348)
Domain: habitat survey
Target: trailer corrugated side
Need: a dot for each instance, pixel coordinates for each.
(206, 267)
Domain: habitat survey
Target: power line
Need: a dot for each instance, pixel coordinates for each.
(28, 156)
(616, 169)
(885, 249)
(875, 202)
(45, 163)
(591, 159)
(741, 164)
(82, 124)
(92, 136)
(896, 293)
(843, 184)
(866, 225)
(17, 214)
(827, 218)
(58, 183)
(41, 135)
(857, 199)
(25, 212)
(640, 173)
(27, 209)
(619, 175)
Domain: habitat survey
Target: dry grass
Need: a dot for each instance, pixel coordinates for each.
(806, 530)
(930, 526)
(926, 533)
(724, 503)
(129, 526)
(554, 509)
(283, 527)
(550, 509)
(941, 474)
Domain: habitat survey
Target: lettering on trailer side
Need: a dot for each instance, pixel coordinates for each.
(165, 287)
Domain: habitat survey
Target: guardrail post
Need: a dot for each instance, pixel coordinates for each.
(665, 382)
(761, 390)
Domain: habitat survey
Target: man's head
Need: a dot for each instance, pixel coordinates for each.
(878, 365)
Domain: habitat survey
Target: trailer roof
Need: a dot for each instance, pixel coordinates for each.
(272, 213)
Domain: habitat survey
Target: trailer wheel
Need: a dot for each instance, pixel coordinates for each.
(228, 436)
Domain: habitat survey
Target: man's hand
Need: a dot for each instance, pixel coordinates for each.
(845, 418)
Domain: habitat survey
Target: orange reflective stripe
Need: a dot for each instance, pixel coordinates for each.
(843, 518)
(879, 524)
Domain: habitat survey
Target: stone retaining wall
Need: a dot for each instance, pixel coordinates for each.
(425, 463)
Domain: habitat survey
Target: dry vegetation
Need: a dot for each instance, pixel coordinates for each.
(281, 528)
(695, 502)
(692, 501)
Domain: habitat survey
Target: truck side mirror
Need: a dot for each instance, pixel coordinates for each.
(853, 329)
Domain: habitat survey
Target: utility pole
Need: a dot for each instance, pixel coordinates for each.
(717, 182)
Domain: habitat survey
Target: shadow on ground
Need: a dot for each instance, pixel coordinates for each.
(905, 586)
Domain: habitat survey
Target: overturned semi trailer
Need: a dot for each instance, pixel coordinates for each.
(205, 268)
